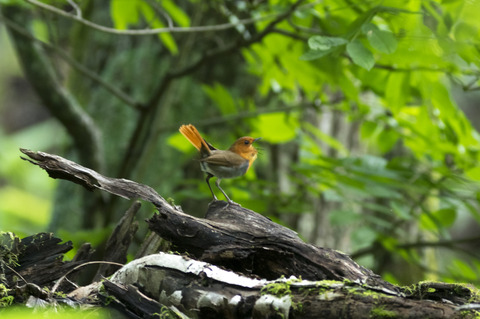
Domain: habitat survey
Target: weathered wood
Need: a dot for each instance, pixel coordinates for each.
(259, 251)
(201, 290)
(231, 236)
(39, 260)
(247, 242)
(132, 302)
(119, 241)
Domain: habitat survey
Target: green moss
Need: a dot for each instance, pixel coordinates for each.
(278, 289)
(5, 299)
(474, 292)
(470, 314)
(7, 257)
(166, 313)
(381, 312)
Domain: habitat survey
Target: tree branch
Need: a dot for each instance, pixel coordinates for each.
(73, 63)
(450, 244)
(143, 128)
(230, 236)
(59, 102)
(169, 29)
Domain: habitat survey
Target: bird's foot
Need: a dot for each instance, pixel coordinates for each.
(231, 202)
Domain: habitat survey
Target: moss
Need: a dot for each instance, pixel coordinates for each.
(470, 314)
(7, 257)
(474, 292)
(278, 289)
(166, 313)
(281, 289)
(5, 299)
(381, 312)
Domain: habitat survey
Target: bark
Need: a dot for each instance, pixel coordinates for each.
(197, 289)
(36, 261)
(229, 235)
(245, 266)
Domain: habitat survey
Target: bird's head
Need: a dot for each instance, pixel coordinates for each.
(244, 147)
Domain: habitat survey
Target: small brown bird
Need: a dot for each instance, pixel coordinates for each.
(231, 163)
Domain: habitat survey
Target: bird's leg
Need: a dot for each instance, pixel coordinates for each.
(217, 182)
(208, 183)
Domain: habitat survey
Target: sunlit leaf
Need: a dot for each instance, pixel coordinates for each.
(33, 215)
(124, 13)
(463, 270)
(176, 13)
(275, 127)
(397, 91)
(440, 218)
(179, 142)
(327, 139)
(383, 41)
(221, 97)
(360, 55)
(314, 54)
(323, 43)
(155, 21)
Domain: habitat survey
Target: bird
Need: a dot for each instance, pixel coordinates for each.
(230, 163)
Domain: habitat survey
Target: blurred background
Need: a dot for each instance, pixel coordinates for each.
(368, 113)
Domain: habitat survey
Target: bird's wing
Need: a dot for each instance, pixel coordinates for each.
(224, 158)
(210, 146)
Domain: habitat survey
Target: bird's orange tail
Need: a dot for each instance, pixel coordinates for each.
(193, 136)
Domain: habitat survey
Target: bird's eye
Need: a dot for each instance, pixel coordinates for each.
(246, 142)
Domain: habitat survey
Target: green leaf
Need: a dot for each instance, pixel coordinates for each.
(400, 210)
(383, 41)
(344, 217)
(179, 142)
(222, 98)
(315, 54)
(12, 2)
(124, 13)
(322, 43)
(396, 91)
(463, 270)
(276, 127)
(387, 140)
(177, 14)
(327, 139)
(19, 218)
(440, 218)
(156, 23)
(360, 55)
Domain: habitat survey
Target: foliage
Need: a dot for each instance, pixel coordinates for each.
(54, 313)
(365, 146)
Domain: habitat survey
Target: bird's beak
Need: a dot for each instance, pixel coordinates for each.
(256, 139)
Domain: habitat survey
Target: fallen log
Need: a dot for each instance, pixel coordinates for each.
(292, 279)
(229, 235)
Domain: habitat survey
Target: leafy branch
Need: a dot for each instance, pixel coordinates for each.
(144, 125)
(170, 29)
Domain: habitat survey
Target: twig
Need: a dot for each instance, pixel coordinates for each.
(57, 284)
(169, 29)
(144, 123)
(73, 63)
(228, 118)
(450, 244)
(162, 12)
(15, 272)
(78, 11)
